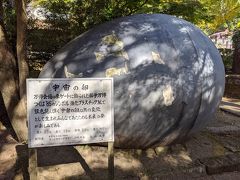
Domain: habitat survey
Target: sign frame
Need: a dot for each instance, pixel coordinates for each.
(33, 172)
(80, 80)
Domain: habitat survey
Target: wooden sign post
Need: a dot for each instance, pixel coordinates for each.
(66, 111)
(110, 160)
(32, 164)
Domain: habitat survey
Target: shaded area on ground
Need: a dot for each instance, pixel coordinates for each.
(207, 155)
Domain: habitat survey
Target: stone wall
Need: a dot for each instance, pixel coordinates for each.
(232, 86)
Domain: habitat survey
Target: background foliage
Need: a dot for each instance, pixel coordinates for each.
(65, 19)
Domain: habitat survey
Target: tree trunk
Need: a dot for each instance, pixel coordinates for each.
(15, 107)
(236, 60)
(236, 53)
(21, 46)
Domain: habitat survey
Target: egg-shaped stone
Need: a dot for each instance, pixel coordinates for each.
(168, 76)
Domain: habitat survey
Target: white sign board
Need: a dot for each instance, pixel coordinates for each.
(67, 111)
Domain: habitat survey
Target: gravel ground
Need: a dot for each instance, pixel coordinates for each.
(213, 153)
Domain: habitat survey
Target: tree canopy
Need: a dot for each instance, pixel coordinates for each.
(210, 15)
(224, 13)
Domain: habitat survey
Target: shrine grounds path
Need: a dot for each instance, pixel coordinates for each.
(213, 153)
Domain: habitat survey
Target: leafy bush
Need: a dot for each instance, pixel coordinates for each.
(227, 57)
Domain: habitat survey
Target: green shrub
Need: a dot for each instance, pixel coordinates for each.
(227, 57)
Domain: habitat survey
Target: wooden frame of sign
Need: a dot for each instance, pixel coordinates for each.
(56, 103)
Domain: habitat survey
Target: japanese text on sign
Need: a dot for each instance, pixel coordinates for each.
(69, 111)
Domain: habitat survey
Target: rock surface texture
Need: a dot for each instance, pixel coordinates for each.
(168, 76)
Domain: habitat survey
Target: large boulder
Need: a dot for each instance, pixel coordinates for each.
(168, 75)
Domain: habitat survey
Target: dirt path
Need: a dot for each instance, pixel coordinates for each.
(231, 105)
(214, 153)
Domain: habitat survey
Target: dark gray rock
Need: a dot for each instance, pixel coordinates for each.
(168, 75)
